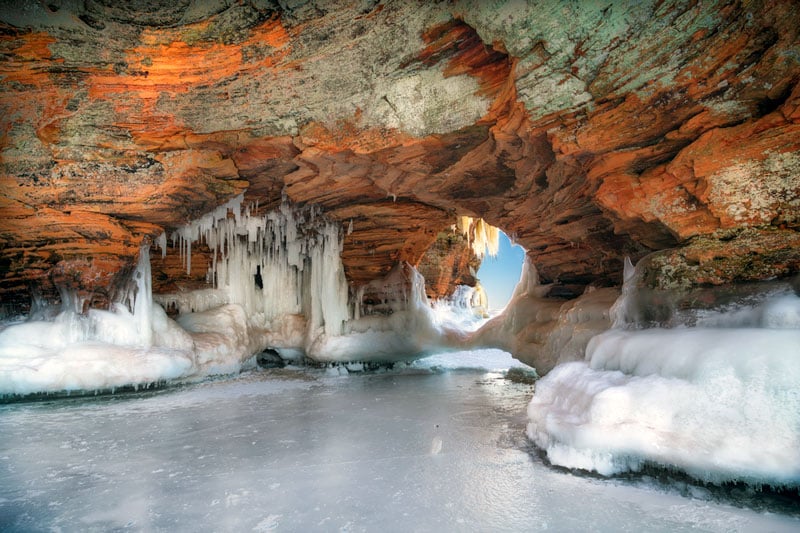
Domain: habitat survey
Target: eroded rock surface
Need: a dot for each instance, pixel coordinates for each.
(588, 132)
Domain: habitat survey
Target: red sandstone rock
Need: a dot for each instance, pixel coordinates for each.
(449, 262)
(587, 134)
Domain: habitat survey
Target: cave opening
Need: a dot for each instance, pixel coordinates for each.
(321, 169)
(500, 274)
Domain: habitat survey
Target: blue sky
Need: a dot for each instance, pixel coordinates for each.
(499, 275)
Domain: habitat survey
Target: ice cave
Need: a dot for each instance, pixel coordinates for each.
(399, 266)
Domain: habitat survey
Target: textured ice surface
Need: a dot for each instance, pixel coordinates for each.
(294, 450)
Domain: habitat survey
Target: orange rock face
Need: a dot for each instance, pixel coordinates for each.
(450, 261)
(588, 134)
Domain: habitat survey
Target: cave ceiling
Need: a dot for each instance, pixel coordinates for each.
(586, 131)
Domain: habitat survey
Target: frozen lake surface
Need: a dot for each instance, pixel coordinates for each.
(429, 447)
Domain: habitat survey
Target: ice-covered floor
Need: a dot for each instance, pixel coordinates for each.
(429, 447)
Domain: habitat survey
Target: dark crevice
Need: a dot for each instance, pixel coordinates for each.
(92, 22)
(767, 105)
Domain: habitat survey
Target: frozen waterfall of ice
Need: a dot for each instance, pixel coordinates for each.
(465, 309)
(718, 399)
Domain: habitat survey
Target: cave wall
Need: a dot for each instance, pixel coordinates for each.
(587, 131)
(448, 262)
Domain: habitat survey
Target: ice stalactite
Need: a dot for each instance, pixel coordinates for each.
(161, 242)
(328, 286)
(143, 298)
(483, 238)
(203, 227)
(283, 268)
(716, 395)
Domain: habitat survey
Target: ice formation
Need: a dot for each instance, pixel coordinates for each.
(302, 305)
(133, 343)
(278, 283)
(392, 320)
(465, 309)
(718, 399)
(546, 331)
(283, 270)
(484, 238)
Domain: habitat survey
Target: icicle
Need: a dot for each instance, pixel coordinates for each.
(143, 303)
(328, 284)
(482, 237)
(259, 262)
(188, 256)
(622, 309)
(493, 240)
(161, 242)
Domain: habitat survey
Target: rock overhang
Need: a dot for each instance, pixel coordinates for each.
(588, 133)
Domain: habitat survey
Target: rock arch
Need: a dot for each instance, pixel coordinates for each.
(628, 130)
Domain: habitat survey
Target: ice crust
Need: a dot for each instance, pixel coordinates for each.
(412, 449)
(719, 400)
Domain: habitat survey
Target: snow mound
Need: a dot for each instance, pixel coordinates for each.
(719, 403)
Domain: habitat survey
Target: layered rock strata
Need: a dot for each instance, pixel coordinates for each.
(588, 132)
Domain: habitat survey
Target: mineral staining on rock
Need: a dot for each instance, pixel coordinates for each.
(589, 132)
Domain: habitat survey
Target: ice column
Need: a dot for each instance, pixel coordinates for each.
(328, 286)
(621, 312)
(143, 299)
